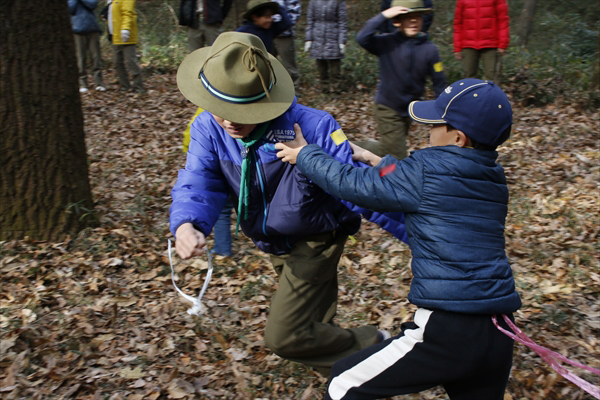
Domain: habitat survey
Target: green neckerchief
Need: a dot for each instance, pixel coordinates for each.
(247, 142)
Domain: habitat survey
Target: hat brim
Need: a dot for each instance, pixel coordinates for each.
(425, 112)
(420, 10)
(281, 95)
(273, 5)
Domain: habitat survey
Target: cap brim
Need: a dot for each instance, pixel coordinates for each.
(281, 95)
(420, 10)
(425, 112)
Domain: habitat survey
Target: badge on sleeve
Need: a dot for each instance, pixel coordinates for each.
(338, 137)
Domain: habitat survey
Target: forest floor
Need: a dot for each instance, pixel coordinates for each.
(96, 316)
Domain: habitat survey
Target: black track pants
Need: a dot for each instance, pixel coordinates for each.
(464, 353)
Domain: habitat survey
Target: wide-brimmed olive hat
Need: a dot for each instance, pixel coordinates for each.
(236, 79)
(255, 4)
(414, 5)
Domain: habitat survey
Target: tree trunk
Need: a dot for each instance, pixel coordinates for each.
(44, 188)
(526, 22)
(595, 84)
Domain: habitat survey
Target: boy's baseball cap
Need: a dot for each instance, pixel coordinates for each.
(414, 5)
(478, 108)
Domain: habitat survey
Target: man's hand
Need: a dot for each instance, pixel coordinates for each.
(393, 12)
(364, 156)
(289, 150)
(458, 55)
(190, 242)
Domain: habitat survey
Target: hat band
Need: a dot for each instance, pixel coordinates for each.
(231, 98)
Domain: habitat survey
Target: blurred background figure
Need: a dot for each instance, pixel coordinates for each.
(122, 26)
(204, 19)
(388, 27)
(259, 20)
(325, 39)
(86, 32)
(285, 46)
(481, 31)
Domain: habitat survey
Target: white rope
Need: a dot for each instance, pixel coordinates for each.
(197, 308)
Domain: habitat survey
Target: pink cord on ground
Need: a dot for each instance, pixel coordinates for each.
(551, 357)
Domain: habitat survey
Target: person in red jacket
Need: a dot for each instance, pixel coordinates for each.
(481, 31)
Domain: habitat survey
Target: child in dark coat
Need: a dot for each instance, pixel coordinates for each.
(406, 59)
(258, 20)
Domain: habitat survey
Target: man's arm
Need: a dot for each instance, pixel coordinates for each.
(201, 190)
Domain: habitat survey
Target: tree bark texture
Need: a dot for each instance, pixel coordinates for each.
(595, 84)
(44, 187)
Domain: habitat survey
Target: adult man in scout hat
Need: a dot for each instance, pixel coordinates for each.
(249, 104)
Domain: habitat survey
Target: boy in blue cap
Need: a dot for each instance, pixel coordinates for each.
(454, 197)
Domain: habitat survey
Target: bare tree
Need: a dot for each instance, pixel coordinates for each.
(44, 188)
(526, 22)
(595, 84)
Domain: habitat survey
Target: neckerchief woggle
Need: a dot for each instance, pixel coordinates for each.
(247, 158)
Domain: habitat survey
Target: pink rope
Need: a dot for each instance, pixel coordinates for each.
(551, 357)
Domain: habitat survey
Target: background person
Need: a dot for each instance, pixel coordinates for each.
(406, 59)
(285, 46)
(204, 19)
(122, 26)
(481, 32)
(325, 40)
(86, 32)
(259, 20)
(388, 27)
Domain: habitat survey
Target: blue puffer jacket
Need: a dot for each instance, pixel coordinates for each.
(284, 205)
(83, 18)
(455, 204)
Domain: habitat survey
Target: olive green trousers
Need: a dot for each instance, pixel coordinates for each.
(393, 131)
(491, 62)
(300, 325)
